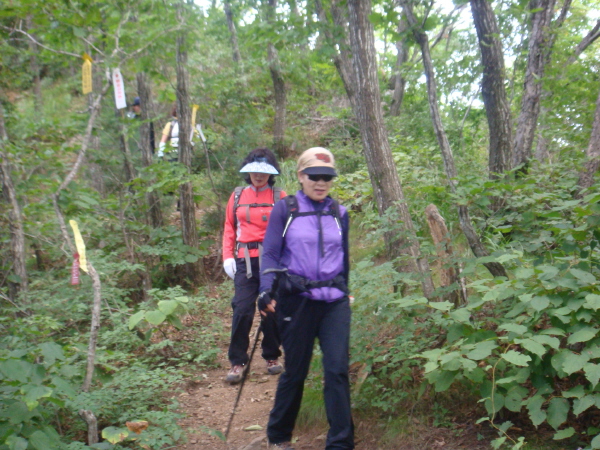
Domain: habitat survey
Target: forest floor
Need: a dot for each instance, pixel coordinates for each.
(207, 401)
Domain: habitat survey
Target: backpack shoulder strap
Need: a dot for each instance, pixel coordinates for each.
(292, 210)
(276, 194)
(236, 201)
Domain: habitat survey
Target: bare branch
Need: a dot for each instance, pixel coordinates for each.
(585, 42)
(60, 52)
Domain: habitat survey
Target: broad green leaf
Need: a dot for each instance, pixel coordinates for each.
(155, 317)
(523, 273)
(539, 303)
(573, 362)
(548, 272)
(16, 369)
(167, 306)
(514, 398)
(41, 441)
(592, 301)
(536, 414)
(514, 328)
(18, 413)
(482, 350)
(564, 434)
(585, 278)
(115, 435)
(34, 393)
(461, 315)
(191, 258)
(557, 412)
(516, 358)
(553, 332)
(581, 404)
(15, 442)
(547, 340)
(442, 306)
(496, 405)
(592, 373)
(51, 351)
(583, 335)
(596, 442)
(135, 319)
(532, 346)
(576, 392)
(183, 299)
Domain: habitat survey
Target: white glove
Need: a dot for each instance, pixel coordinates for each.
(229, 267)
(161, 150)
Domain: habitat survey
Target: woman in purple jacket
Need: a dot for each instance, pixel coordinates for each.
(305, 282)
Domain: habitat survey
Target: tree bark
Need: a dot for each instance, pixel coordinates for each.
(34, 66)
(473, 239)
(186, 194)
(449, 272)
(542, 11)
(94, 327)
(492, 87)
(146, 128)
(399, 80)
(17, 235)
(382, 170)
(342, 58)
(279, 91)
(586, 177)
(237, 58)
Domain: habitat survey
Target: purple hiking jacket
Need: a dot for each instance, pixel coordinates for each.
(299, 250)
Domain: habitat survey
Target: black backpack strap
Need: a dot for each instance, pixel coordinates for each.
(276, 194)
(236, 201)
(292, 208)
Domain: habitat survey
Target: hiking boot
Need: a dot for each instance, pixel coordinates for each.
(273, 367)
(234, 376)
(281, 446)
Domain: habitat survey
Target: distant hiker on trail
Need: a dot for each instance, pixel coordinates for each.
(169, 142)
(304, 280)
(246, 219)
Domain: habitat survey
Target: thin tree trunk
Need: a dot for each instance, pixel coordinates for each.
(127, 163)
(92, 424)
(279, 92)
(399, 80)
(17, 234)
(187, 205)
(382, 170)
(586, 177)
(94, 327)
(237, 58)
(542, 11)
(35, 70)
(473, 239)
(492, 87)
(146, 130)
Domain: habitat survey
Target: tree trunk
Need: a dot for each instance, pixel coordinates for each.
(35, 70)
(382, 170)
(586, 177)
(492, 87)
(94, 327)
(146, 148)
(17, 236)
(473, 239)
(342, 58)
(186, 194)
(237, 58)
(399, 80)
(127, 163)
(278, 87)
(542, 11)
(449, 272)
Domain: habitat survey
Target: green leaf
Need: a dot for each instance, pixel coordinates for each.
(576, 392)
(596, 442)
(461, 315)
(191, 258)
(497, 404)
(592, 373)
(564, 434)
(482, 350)
(41, 441)
(585, 278)
(18, 413)
(442, 306)
(536, 414)
(583, 335)
(553, 332)
(155, 317)
(592, 301)
(514, 328)
(532, 346)
(557, 412)
(115, 435)
(16, 442)
(581, 404)
(539, 303)
(34, 393)
(167, 306)
(516, 358)
(573, 362)
(16, 369)
(135, 319)
(514, 399)
(51, 351)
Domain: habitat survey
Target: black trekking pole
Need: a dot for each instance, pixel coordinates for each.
(244, 376)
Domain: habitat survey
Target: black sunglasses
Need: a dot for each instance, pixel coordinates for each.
(325, 178)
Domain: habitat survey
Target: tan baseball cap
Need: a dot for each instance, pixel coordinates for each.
(317, 161)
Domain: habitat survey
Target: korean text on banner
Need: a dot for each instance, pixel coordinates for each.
(80, 245)
(119, 88)
(86, 74)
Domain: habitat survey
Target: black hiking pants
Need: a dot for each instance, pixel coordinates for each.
(244, 308)
(300, 321)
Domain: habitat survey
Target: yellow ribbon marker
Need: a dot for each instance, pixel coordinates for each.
(80, 245)
(194, 111)
(86, 74)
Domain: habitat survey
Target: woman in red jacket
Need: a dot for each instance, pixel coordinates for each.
(246, 219)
